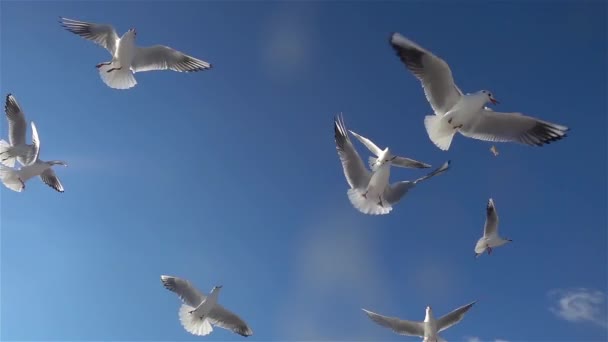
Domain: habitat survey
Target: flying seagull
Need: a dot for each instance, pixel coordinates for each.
(16, 179)
(370, 192)
(199, 312)
(127, 58)
(490, 238)
(428, 330)
(16, 148)
(467, 114)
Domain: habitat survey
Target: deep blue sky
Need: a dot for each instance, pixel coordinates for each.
(230, 176)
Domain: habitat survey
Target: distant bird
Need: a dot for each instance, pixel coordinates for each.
(16, 179)
(370, 192)
(127, 58)
(490, 238)
(494, 150)
(200, 312)
(17, 149)
(467, 114)
(428, 330)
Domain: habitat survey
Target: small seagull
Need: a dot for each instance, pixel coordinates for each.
(16, 179)
(17, 149)
(494, 150)
(127, 58)
(467, 114)
(370, 192)
(490, 238)
(428, 330)
(199, 312)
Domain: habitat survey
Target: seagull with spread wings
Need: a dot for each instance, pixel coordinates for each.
(370, 192)
(490, 238)
(127, 58)
(467, 114)
(199, 312)
(428, 330)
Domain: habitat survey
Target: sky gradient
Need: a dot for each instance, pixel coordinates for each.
(231, 177)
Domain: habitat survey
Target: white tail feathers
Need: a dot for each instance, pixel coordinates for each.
(117, 78)
(193, 324)
(440, 131)
(368, 206)
(5, 154)
(10, 179)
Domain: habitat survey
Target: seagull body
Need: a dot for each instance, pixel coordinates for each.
(467, 114)
(16, 148)
(199, 312)
(370, 192)
(16, 179)
(428, 330)
(127, 58)
(490, 238)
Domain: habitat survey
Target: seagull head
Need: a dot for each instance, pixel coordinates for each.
(428, 314)
(490, 97)
(385, 157)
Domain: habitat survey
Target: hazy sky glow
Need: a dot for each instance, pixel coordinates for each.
(231, 177)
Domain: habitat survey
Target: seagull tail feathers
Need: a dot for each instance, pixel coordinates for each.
(440, 131)
(117, 78)
(10, 178)
(367, 205)
(192, 323)
(6, 156)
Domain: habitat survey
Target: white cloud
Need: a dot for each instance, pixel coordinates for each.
(477, 339)
(580, 305)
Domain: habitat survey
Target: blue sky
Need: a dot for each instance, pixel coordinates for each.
(230, 176)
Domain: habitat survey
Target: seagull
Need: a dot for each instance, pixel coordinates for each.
(490, 238)
(127, 58)
(467, 114)
(16, 179)
(428, 330)
(370, 192)
(199, 312)
(17, 149)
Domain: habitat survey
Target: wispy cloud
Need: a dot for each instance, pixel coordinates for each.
(477, 339)
(580, 305)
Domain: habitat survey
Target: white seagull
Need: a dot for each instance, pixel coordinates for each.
(490, 238)
(17, 149)
(199, 312)
(127, 58)
(370, 192)
(428, 330)
(16, 179)
(467, 114)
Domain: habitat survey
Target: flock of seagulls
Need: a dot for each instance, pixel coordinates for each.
(370, 190)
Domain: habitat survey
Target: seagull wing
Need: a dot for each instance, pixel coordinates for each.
(102, 34)
(160, 57)
(453, 317)
(399, 326)
(16, 121)
(354, 169)
(491, 226)
(368, 143)
(223, 318)
(49, 178)
(184, 289)
(409, 163)
(433, 72)
(396, 191)
(507, 127)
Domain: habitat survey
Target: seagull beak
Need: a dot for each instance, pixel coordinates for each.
(494, 101)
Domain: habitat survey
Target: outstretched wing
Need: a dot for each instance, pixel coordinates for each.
(453, 317)
(399, 326)
(184, 289)
(223, 318)
(160, 57)
(491, 226)
(354, 169)
(102, 34)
